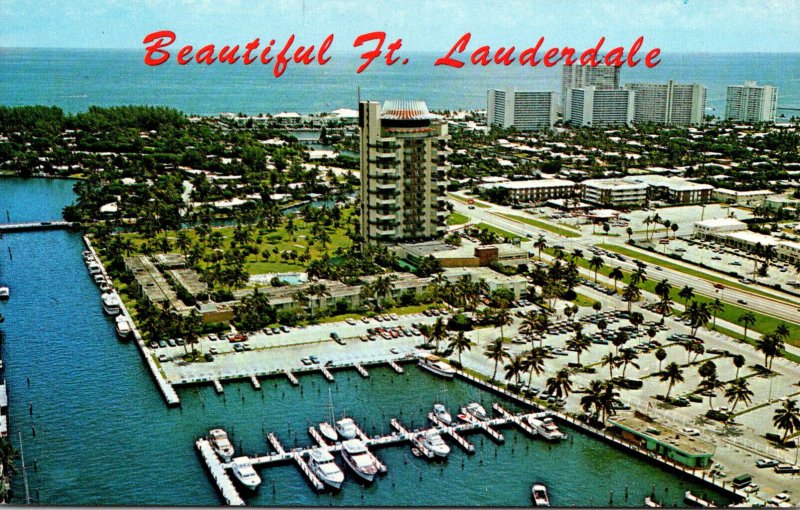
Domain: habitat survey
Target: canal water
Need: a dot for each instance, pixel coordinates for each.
(98, 431)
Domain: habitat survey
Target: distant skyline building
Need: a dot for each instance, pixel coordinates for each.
(592, 107)
(403, 172)
(669, 103)
(524, 110)
(751, 102)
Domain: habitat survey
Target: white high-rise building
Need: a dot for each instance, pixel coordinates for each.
(403, 172)
(751, 103)
(592, 107)
(669, 103)
(578, 76)
(524, 110)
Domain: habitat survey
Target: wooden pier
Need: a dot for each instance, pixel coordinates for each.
(218, 473)
(328, 375)
(254, 380)
(361, 370)
(317, 437)
(397, 368)
(450, 431)
(312, 478)
(516, 419)
(218, 386)
(292, 378)
(276, 445)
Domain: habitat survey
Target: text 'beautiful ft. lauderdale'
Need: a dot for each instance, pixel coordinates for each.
(160, 46)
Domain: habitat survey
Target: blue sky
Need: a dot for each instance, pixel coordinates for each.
(672, 25)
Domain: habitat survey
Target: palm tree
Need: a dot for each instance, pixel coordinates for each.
(698, 315)
(383, 285)
(459, 344)
(534, 363)
(747, 319)
(579, 344)
(596, 263)
(738, 362)
(628, 357)
(672, 373)
(438, 332)
(502, 317)
(638, 276)
(620, 339)
(616, 274)
(715, 308)
(600, 396)
(496, 352)
(630, 294)
(787, 418)
(710, 385)
(664, 291)
(686, 294)
(560, 384)
(540, 245)
(515, 367)
(738, 391)
(660, 355)
(611, 361)
(771, 344)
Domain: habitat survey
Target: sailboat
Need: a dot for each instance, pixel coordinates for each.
(327, 430)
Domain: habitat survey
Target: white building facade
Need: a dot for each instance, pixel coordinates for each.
(669, 103)
(524, 110)
(751, 102)
(593, 107)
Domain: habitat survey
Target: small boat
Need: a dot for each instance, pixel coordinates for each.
(539, 495)
(325, 468)
(433, 365)
(244, 472)
(346, 428)
(546, 428)
(440, 411)
(86, 253)
(105, 287)
(221, 444)
(99, 279)
(328, 432)
(359, 459)
(651, 503)
(476, 410)
(434, 442)
(5, 293)
(94, 268)
(123, 326)
(416, 452)
(111, 303)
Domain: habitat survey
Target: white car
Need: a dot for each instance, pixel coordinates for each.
(394, 350)
(691, 432)
(351, 321)
(365, 320)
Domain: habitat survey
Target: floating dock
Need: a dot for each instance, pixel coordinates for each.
(517, 420)
(328, 375)
(254, 380)
(218, 473)
(311, 477)
(397, 368)
(292, 378)
(218, 386)
(361, 370)
(317, 437)
(458, 438)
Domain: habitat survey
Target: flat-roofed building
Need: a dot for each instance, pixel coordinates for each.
(614, 192)
(751, 103)
(716, 226)
(579, 76)
(494, 280)
(669, 103)
(748, 198)
(674, 190)
(537, 191)
(650, 434)
(593, 107)
(522, 109)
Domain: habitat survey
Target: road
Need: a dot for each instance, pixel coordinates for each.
(783, 306)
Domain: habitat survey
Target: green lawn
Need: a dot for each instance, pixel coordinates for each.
(498, 231)
(584, 301)
(456, 219)
(478, 203)
(568, 232)
(683, 268)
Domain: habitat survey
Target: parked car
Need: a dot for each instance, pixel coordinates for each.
(285, 329)
(766, 463)
(213, 337)
(351, 321)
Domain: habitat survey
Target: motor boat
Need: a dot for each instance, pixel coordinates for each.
(111, 303)
(123, 327)
(99, 279)
(476, 410)
(5, 293)
(94, 268)
(433, 365)
(244, 472)
(325, 468)
(651, 503)
(328, 432)
(434, 442)
(221, 444)
(440, 411)
(359, 459)
(546, 428)
(346, 428)
(539, 495)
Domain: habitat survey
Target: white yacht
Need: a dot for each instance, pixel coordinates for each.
(328, 432)
(539, 495)
(346, 428)
(476, 410)
(440, 411)
(99, 279)
(123, 327)
(94, 268)
(546, 428)
(111, 303)
(433, 365)
(434, 442)
(221, 444)
(359, 459)
(322, 464)
(5, 292)
(244, 472)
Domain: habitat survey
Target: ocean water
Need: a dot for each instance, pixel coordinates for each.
(76, 79)
(95, 430)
